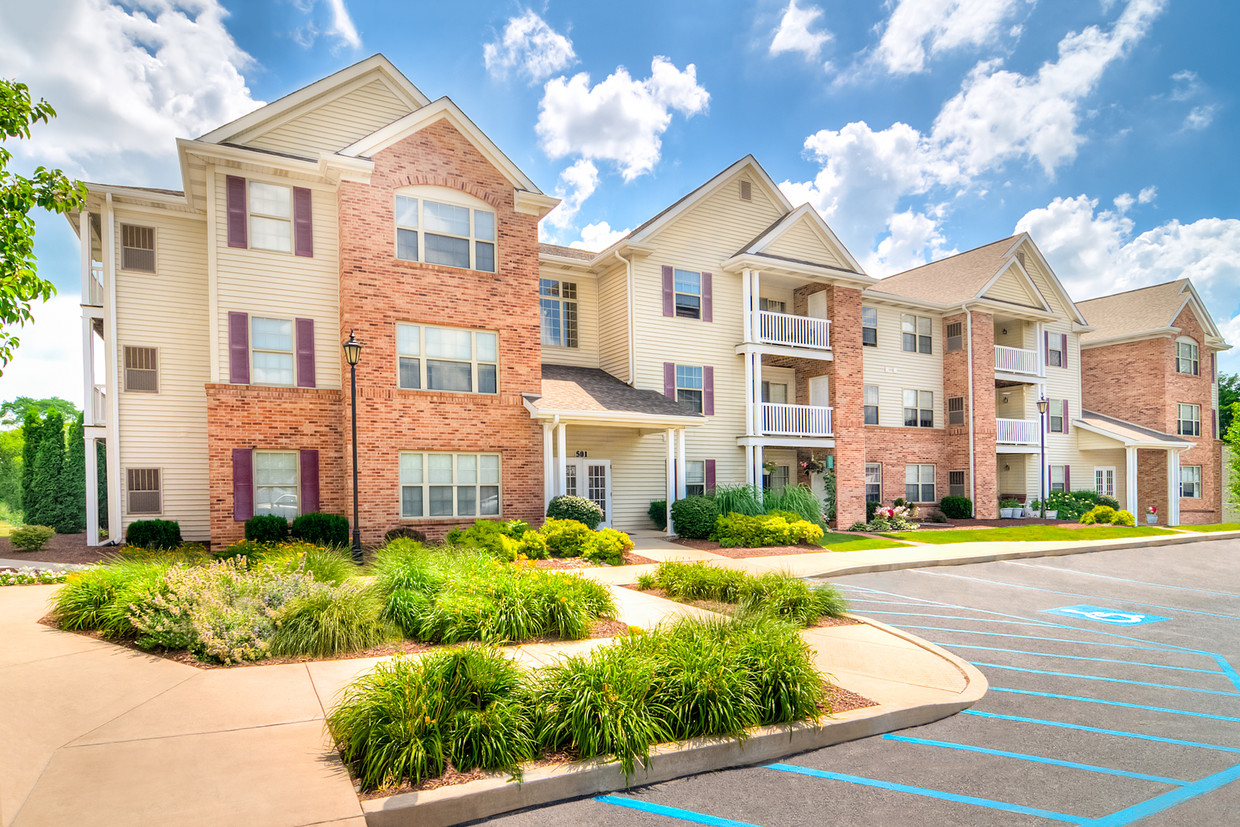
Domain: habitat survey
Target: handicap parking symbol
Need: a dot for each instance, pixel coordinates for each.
(1101, 614)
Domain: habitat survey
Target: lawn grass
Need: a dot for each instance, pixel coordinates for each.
(1032, 533)
(839, 541)
(1210, 527)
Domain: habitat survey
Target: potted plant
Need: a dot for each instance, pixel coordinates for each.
(1009, 508)
(1037, 506)
(1151, 515)
(813, 465)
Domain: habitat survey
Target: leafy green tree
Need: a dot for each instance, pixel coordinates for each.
(73, 519)
(101, 462)
(20, 285)
(45, 506)
(11, 445)
(1231, 494)
(1228, 396)
(11, 412)
(32, 433)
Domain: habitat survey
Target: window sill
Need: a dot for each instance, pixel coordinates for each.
(445, 266)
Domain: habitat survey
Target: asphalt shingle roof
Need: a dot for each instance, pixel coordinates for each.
(950, 280)
(567, 388)
(1136, 311)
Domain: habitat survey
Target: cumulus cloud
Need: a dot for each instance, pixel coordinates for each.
(1147, 195)
(49, 360)
(798, 32)
(918, 30)
(125, 81)
(576, 184)
(912, 239)
(1199, 117)
(598, 237)
(528, 46)
(621, 119)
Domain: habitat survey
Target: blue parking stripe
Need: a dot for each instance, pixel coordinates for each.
(1037, 759)
(1079, 657)
(1121, 579)
(672, 812)
(1055, 639)
(1106, 680)
(1185, 712)
(969, 619)
(929, 793)
(1168, 799)
(1079, 728)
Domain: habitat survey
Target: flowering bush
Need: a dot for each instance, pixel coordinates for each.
(1153, 509)
(26, 576)
(1104, 514)
(895, 518)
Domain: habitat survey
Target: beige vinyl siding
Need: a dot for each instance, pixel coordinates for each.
(1013, 471)
(894, 370)
(774, 292)
(805, 242)
(167, 310)
(586, 354)
(1011, 286)
(613, 324)
(283, 285)
(333, 124)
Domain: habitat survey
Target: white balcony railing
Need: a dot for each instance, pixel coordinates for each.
(98, 405)
(794, 331)
(795, 420)
(1016, 360)
(1017, 431)
(94, 296)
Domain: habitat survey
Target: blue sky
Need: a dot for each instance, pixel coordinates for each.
(918, 127)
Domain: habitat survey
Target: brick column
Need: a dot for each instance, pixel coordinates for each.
(985, 471)
(847, 392)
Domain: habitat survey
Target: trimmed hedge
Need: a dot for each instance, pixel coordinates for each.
(31, 537)
(694, 517)
(266, 528)
(780, 528)
(580, 509)
(154, 534)
(323, 529)
(956, 508)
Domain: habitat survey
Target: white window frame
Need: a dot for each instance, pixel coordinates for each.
(772, 305)
(1104, 480)
(922, 331)
(1059, 471)
(154, 248)
(767, 385)
(285, 220)
(126, 368)
(1187, 471)
(700, 389)
(869, 398)
(920, 473)
(1062, 354)
(695, 477)
(291, 352)
(1193, 358)
(477, 234)
(553, 295)
(924, 406)
(418, 353)
(874, 470)
(872, 313)
(1054, 410)
(782, 475)
(416, 474)
(689, 312)
(1193, 419)
(296, 486)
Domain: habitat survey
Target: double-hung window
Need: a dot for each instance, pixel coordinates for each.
(276, 489)
(1186, 354)
(447, 359)
(270, 217)
(558, 309)
(689, 386)
(688, 289)
(695, 477)
(1055, 356)
(137, 248)
(271, 351)
(1056, 424)
(1059, 478)
(870, 405)
(874, 482)
(1189, 419)
(448, 485)
(776, 392)
(772, 305)
(1190, 481)
(919, 409)
(919, 483)
(778, 478)
(869, 326)
(438, 232)
(916, 336)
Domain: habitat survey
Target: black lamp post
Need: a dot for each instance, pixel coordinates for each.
(353, 352)
(1043, 406)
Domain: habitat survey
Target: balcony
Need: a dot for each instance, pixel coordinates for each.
(794, 331)
(98, 406)
(1017, 431)
(778, 419)
(1017, 360)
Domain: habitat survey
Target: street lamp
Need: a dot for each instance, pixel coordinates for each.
(353, 352)
(1044, 405)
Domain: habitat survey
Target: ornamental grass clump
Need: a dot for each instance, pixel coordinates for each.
(777, 594)
(331, 620)
(795, 499)
(97, 600)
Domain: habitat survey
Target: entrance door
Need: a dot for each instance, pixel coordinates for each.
(591, 478)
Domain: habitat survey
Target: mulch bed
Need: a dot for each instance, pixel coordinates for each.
(62, 548)
(844, 700)
(742, 553)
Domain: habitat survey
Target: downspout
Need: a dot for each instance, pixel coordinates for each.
(968, 314)
(628, 289)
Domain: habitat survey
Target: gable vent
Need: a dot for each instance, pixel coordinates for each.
(1021, 258)
(746, 191)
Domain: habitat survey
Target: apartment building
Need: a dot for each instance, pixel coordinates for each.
(730, 339)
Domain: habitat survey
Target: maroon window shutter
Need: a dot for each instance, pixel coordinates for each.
(669, 292)
(1066, 427)
(710, 475)
(234, 192)
(1067, 478)
(669, 380)
(309, 481)
(1046, 349)
(1214, 423)
(708, 391)
(305, 352)
(243, 484)
(303, 227)
(1063, 349)
(708, 302)
(239, 348)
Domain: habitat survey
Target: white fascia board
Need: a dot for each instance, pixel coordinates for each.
(534, 203)
(1063, 293)
(816, 217)
(631, 420)
(878, 297)
(1156, 333)
(1014, 264)
(1133, 443)
(814, 272)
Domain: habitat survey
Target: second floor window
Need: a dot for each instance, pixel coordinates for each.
(447, 359)
(1055, 412)
(916, 336)
(689, 386)
(1189, 418)
(955, 336)
(558, 308)
(271, 217)
(688, 287)
(138, 248)
(955, 410)
(141, 369)
(1055, 351)
(776, 392)
(1186, 357)
(436, 232)
(919, 409)
(271, 349)
(871, 404)
(1190, 481)
(869, 326)
(772, 305)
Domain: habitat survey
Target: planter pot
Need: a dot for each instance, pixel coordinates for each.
(1152, 519)
(1007, 513)
(1052, 515)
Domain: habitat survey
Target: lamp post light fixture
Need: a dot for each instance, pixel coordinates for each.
(1044, 405)
(352, 353)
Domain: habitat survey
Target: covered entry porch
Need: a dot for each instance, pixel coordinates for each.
(1148, 460)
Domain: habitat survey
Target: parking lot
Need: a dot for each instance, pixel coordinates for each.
(1114, 699)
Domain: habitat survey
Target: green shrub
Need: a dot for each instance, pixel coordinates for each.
(321, 529)
(154, 534)
(608, 546)
(777, 529)
(407, 719)
(249, 549)
(1009, 502)
(956, 508)
(404, 533)
(870, 507)
(698, 581)
(1123, 518)
(331, 620)
(776, 593)
(1102, 514)
(493, 537)
(878, 524)
(31, 538)
(266, 528)
(1104, 499)
(658, 514)
(694, 517)
(795, 499)
(97, 599)
(326, 565)
(567, 538)
(739, 499)
(565, 507)
(858, 526)
(1071, 505)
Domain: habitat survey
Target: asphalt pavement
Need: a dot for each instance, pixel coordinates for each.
(1114, 700)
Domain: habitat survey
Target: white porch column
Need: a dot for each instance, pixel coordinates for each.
(1130, 483)
(116, 532)
(757, 468)
(548, 466)
(561, 446)
(746, 305)
(680, 465)
(1173, 488)
(749, 466)
(748, 394)
(671, 477)
(92, 491)
(755, 293)
(755, 392)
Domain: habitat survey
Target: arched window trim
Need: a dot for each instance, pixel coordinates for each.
(1187, 361)
(447, 227)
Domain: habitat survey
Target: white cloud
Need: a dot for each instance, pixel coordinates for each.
(796, 32)
(342, 24)
(598, 237)
(920, 29)
(529, 46)
(125, 81)
(621, 119)
(1199, 117)
(577, 183)
(339, 25)
(912, 239)
(1187, 85)
(49, 360)
(1147, 195)
(1123, 202)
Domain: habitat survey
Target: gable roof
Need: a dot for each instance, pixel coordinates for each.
(802, 214)
(590, 393)
(1128, 433)
(1145, 311)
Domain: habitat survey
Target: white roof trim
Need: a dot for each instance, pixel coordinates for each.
(1203, 315)
(634, 420)
(791, 219)
(1014, 263)
(1063, 293)
(766, 262)
(1133, 443)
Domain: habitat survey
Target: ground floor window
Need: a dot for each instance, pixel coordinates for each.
(449, 485)
(919, 483)
(777, 478)
(874, 482)
(955, 483)
(1059, 478)
(695, 477)
(1104, 481)
(1190, 481)
(276, 488)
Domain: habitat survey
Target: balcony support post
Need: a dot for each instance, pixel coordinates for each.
(749, 400)
(92, 491)
(680, 464)
(1130, 481)
(747, 306)
(755, 296)
(670, 476)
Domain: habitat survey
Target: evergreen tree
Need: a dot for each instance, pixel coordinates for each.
(101, 462)
(32, 431)
(1231, 494)
(47, 484)
(73, 519)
